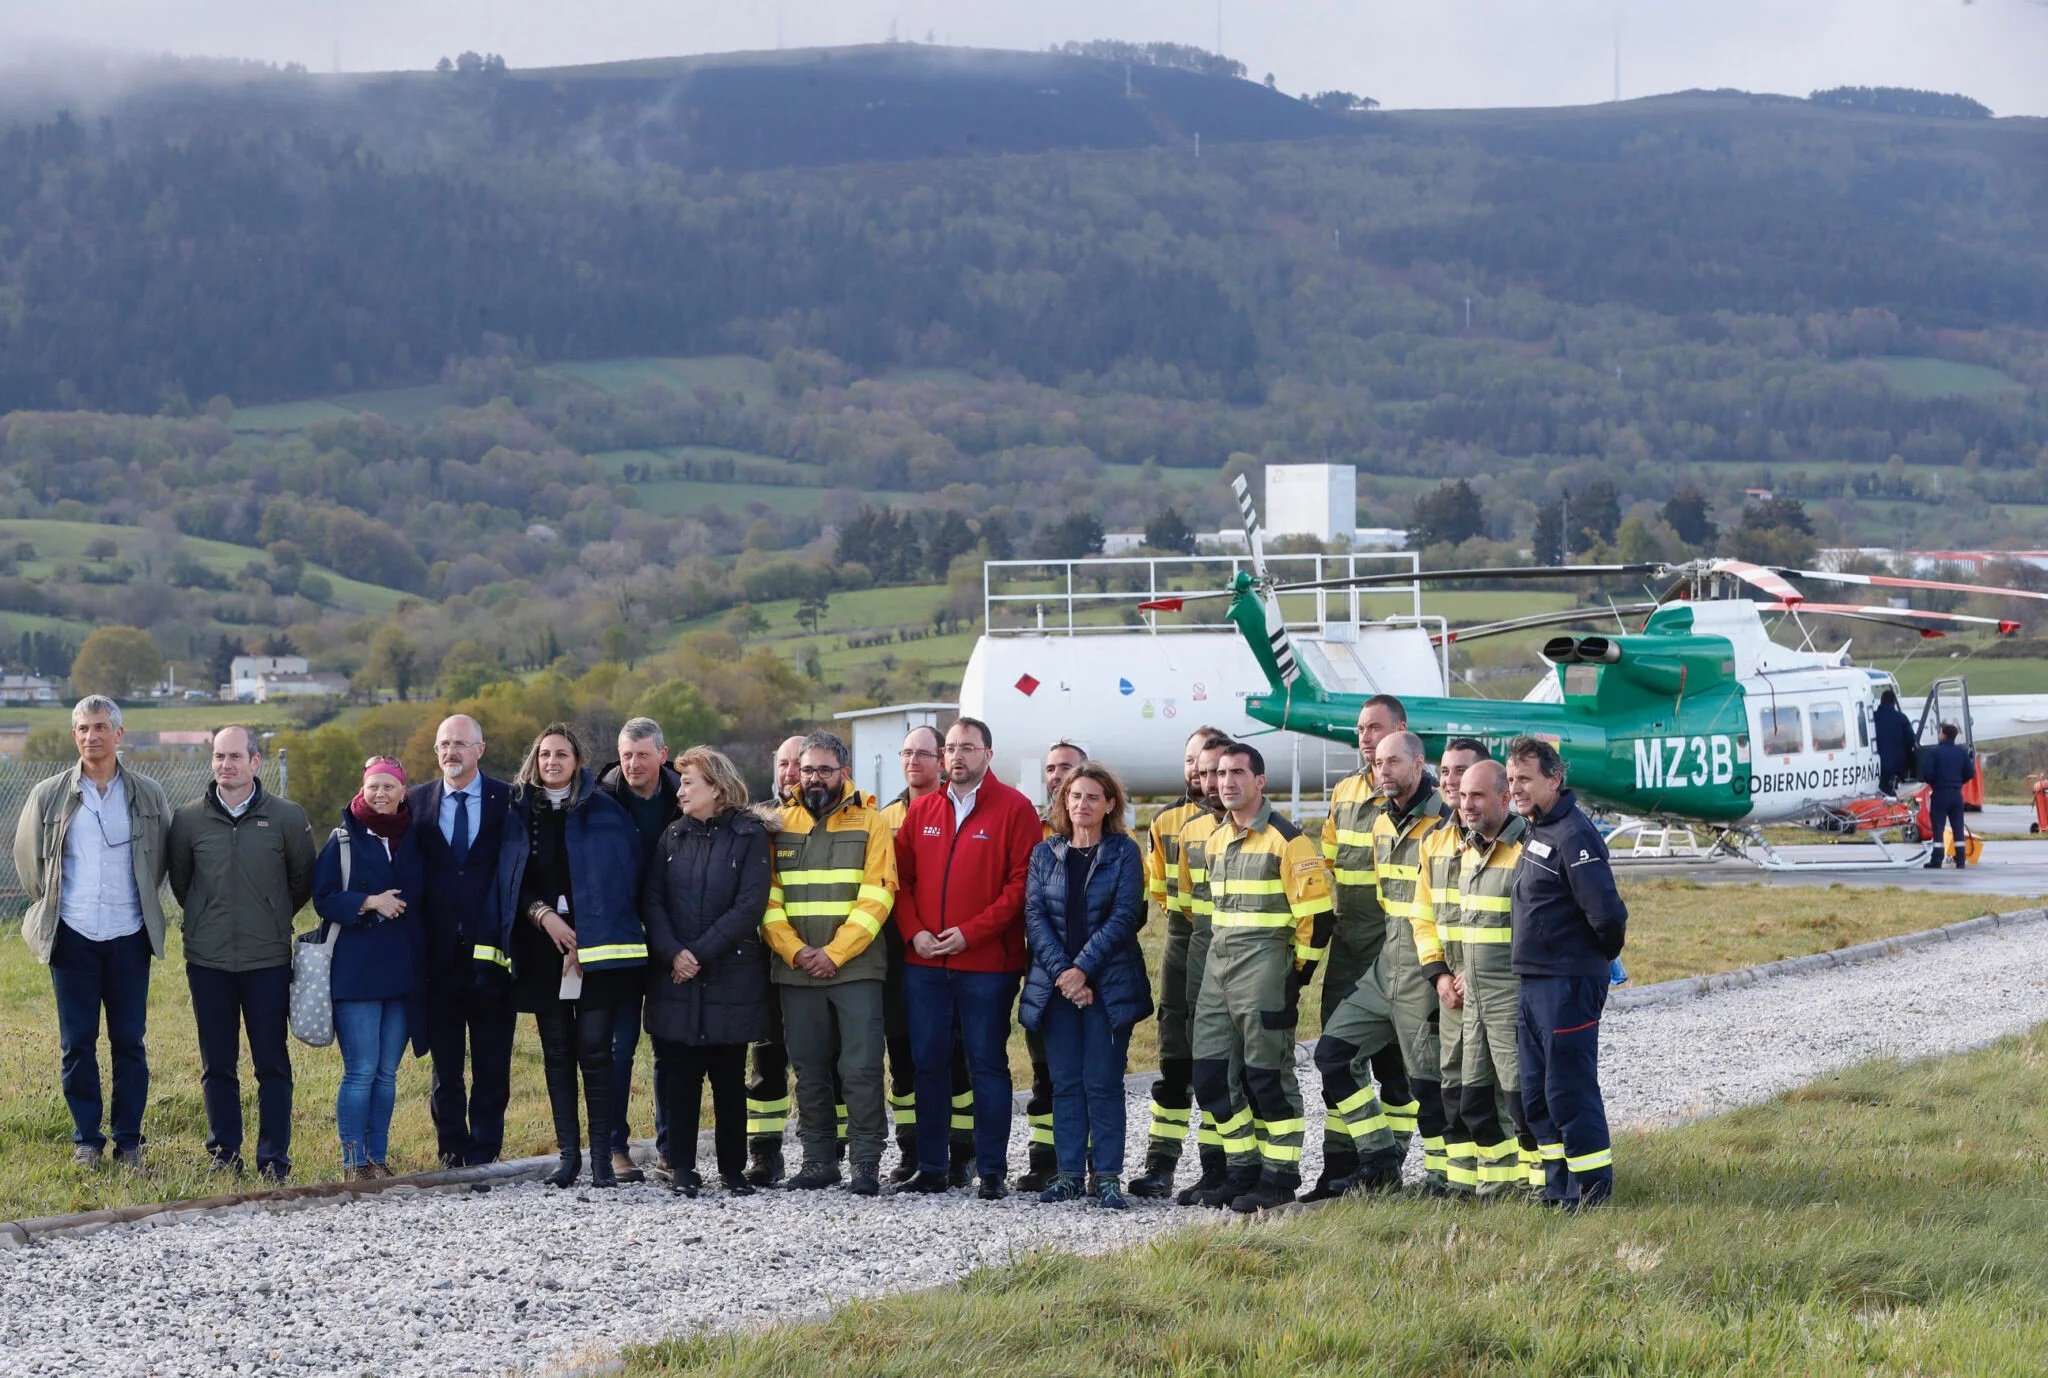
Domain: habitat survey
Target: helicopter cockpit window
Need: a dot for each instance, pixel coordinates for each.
(1830, 727)
(1781, 731)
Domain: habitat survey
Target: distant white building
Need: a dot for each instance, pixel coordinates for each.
(1319, 500)
(245, 674)
(318, 685)
(1121, 542)
(1921, 562)
(27, 689)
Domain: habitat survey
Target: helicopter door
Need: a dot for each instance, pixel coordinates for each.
(1948, 700)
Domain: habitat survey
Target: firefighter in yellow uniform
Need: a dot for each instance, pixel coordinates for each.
(1462, 929)
(1359, 928)
(833, 889)
(1270, 926)
(1413, 811)
(1173, 1091)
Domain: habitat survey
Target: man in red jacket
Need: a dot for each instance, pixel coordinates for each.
(961, 857)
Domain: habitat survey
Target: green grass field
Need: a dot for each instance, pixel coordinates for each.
(63, 543)
(1919, 376)
(1985, 676)
(1867, 1224)
(179, 717)
(1677, 929)
(727, 372)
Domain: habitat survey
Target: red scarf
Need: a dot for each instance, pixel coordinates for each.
(389, 826)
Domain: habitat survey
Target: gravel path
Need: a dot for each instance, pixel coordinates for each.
(525, 1278)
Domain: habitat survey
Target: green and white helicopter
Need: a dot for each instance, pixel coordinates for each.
(1696, 720)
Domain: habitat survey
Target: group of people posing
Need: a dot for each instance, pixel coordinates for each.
(1464, 920)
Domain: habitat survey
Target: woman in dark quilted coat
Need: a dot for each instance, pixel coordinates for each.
(702, 898)
(1084, 898)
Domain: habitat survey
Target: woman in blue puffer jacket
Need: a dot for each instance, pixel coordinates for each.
(1084, 899)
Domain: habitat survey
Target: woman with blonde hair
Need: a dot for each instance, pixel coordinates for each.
(1084, 897)
(569, 928)
(702, 901)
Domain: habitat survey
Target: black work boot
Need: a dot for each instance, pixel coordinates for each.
(597, 1102)
(764, 1162)
(1270, 1192)
(1040, 1167)
(1157, 1179)
(1214, 1169)
(1338, 1168)
(1237, 1182)
(866, 1179)
(906, 1160)
(960, 1171)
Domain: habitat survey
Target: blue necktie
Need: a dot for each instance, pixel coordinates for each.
(458, 843)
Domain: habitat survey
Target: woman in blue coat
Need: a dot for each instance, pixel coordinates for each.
(569, 929)
(368, 882)
(1084, 898)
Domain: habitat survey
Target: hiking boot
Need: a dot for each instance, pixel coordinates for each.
(764, 1164)
(1264, 1197)
(1109, 1194)
(130, 1158)
(926, 1183)
(1035, 1179)
(1235, 1183)
(625, 1169)
(688, 1183)
(1337, 1170)
(991, 1189)
(1062, 1188)
(814, 1177)
(85, 1155)
(1157, 1179)
(866, 1180)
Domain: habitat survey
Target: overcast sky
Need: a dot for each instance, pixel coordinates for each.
(1403, 52)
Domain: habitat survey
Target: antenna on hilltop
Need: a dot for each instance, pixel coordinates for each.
(1617, 55)
(1219, 28)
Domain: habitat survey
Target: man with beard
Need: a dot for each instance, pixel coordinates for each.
(768, 1086)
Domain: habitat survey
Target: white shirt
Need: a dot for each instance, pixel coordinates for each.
(474, 793)
(962, 804)
(236, 810)
(98, 899)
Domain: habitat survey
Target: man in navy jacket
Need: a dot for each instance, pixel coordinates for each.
(461, 819)
(1946, 768)
(1569, 925)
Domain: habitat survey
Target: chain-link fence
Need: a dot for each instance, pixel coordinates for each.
(183, 781)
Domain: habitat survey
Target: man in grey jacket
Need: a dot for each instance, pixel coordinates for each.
(89, 848)
(241, 865)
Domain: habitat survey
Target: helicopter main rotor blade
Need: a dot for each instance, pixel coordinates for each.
(1912, 619)
(1760, 577)
(1439, 576)
(1892, 581)
(1458, 636)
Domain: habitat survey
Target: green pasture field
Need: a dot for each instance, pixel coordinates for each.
(1919, 376)
(167, 717)
(1677, 928)
(1865, 1224)
(726, 372)
(63, 543)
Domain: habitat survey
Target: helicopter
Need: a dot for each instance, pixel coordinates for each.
(1699, 718)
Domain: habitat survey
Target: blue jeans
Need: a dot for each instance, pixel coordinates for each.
(980, 1002)
(372, 1038)
(1087, 1062)
(625, 1042)
(87, 976)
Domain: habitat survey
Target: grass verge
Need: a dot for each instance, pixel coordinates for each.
(1869, 1223)
(1678, 929)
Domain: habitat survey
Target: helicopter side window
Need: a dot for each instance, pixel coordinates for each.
(1863, 724)
(1830, 727)
(1781, 731)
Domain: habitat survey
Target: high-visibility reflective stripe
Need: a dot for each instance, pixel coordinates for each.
(1169, 1114)
(1509, 1172)
(1329, 851)
(1550, 1150)
(1168, 1130)
(495, 956)
(1282, 1128)
(1303, 952)
(1351, 837)
(1044, 1119)
(1461, 1176)
(1366, 1127)
(613, 952)
(963, 1100)
(1393, 870)
(905, 1116)
(1397, 909)
(1588, 1161)
(804, 909)
(1477, 935)
(1207, 1136)
(768, 1107)
(1229, 886)
(905, 1102)
(851, 875)
(1490, 904)
(1280, 1153)
(1230, 918)
(1309, 908)
(863, 920)
(879, 894)
(1348, 877)
(755, 1128)
(1038, 1136)
(1357, 1100)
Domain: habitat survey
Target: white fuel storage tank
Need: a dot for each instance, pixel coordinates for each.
(1131, 698)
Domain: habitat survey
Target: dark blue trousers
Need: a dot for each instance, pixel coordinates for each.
(90, 976)
(223, 1004)
(469, 1028)
(977, 1003)
(1557, 1026)
(1945, 810)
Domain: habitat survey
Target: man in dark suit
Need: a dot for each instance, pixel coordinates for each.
(461, 818)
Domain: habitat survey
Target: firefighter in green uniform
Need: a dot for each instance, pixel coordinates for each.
(1462, 903)
(1359, 927)
(1199, 910)
(1173, 1091)
(1413, 810)
(1270, 926)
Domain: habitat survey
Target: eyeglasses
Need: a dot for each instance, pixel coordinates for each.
(456, 746)
(908, 755)
(818, 772)
(964, 749)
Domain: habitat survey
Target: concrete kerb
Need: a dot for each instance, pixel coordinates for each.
(17, 1233)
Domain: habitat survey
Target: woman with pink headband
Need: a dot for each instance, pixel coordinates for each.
(368, 882)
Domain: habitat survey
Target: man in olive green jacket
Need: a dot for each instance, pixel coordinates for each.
(89, 848)
(241, 865)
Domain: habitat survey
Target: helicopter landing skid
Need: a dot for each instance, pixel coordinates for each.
(1648, 841)
(1751, 847)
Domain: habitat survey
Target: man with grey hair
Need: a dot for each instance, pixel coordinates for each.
(834, 885)
(645, 786)
(89, 848)
(241, 865)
